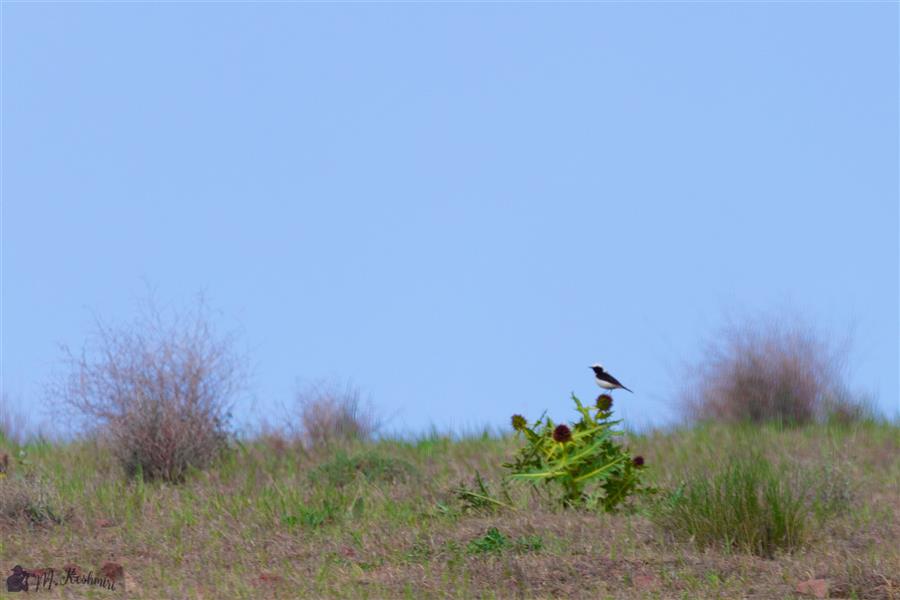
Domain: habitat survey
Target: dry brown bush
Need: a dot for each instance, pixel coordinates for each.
(770, 370)
(159, 389)
(12, 424)
(333, 413)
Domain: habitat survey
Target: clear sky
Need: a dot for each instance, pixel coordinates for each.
(457, 206)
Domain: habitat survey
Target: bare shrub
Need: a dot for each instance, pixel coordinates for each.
(331, 413)
(159, 388)
(766, 369)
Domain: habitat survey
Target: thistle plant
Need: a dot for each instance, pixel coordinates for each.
(582, 460)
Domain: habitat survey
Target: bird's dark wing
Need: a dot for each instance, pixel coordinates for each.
(607, 377)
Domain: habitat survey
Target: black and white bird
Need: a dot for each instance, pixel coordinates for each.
(605, 380)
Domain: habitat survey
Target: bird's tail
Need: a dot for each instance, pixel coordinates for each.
(626, 389)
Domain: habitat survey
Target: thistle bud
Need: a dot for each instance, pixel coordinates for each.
(518, 422)
(604, 402)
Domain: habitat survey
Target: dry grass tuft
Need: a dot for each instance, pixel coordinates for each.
(334, 414)
(31, 499)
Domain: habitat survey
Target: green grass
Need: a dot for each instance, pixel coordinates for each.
(342, 470)
(745, 504)
(495, 542)
(759, 510)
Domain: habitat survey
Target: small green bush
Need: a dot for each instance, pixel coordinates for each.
(748, 505)
(310, 516)
(584, 461)
(343, 470)
(494, 542)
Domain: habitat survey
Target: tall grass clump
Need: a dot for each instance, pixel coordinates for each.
(770, 370)
(158, 390)
(747, 505)
(331, 413)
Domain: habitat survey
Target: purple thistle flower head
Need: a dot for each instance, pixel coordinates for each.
(638, 461)
(562, 434)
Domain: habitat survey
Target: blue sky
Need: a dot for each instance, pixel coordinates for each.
(457, 206)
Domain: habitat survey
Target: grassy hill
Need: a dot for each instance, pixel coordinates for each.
(393, 519)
